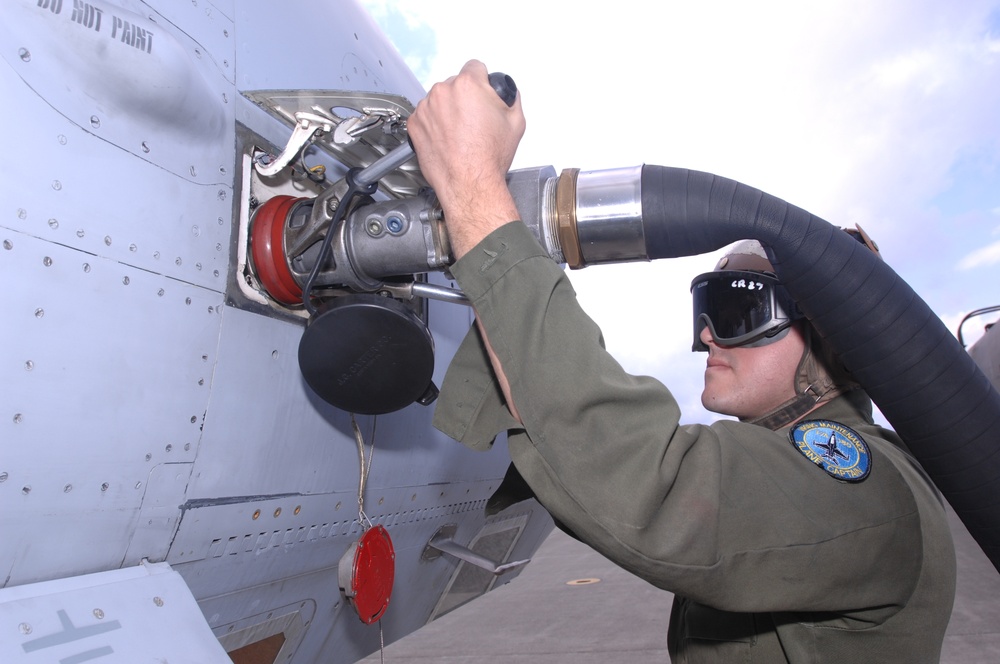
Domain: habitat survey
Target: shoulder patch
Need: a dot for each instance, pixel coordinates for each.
(837, 449)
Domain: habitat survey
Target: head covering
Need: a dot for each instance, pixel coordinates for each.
(819, 376)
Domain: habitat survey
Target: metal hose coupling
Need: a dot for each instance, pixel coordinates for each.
(583, 217)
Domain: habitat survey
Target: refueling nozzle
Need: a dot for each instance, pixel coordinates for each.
(363, 350)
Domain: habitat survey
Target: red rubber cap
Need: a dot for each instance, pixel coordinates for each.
(268, 253)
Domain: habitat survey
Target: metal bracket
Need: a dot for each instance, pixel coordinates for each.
(414, 289)
(351, 128)
(442, 542)
(355, 128)
(306, 125)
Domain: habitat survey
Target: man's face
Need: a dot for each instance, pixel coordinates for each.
(749, 382)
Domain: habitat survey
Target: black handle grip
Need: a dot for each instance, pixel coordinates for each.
(504, 86)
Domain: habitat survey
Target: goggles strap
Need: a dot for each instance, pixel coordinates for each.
(813, 384)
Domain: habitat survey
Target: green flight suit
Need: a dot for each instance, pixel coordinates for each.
(771, 558)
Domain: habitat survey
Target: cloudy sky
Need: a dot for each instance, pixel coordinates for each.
(883, 113)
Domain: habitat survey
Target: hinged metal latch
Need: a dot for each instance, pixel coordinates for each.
(443, 542)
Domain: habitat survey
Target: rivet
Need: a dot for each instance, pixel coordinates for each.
(148, 456)
(67, 488)
(99, 614)
(157, 601)
(178, 261)
(47, 261)
(197, 266)
(39, 313)
(274, 354)
(80, 233)
(53, 224)
(107, 240)
(29, 365)
(337, 506)
(25, 54)
(298, 508)
(24, 628)
(225, 98)
(222, 194)
(145, 146)
(187, 447)
(169, 447)
(62, 139)
(26, 490)
(194, 418)
(225, 33)
(86, 267)
(95, 121)
(8, 245)
(193, 172)
(277, 513)
(18, 418)
(138, 485)
(156, 255)
(256, 514)
(215, 273)
(22, 213)
(133, 248)
(126, 281)
(105, 486)
(4, 476)
(160, 292)
(57, 185)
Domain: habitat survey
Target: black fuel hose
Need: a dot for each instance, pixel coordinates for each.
(922, 380)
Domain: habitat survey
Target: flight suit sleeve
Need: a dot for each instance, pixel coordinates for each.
(727, 515)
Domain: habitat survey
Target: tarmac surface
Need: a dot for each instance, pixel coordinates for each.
(570, 605)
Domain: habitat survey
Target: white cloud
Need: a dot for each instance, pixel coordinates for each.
(988, 255)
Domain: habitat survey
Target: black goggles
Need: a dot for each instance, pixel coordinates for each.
(740, 308)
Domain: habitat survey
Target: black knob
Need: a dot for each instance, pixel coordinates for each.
(504, 86)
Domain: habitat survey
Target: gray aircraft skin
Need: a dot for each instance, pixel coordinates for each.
(166, 475)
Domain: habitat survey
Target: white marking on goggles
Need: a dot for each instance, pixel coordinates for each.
(741, 308)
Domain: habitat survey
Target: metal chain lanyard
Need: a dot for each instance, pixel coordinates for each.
(366, 466)
(367, 580)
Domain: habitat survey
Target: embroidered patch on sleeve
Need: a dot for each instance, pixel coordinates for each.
(837, 449)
